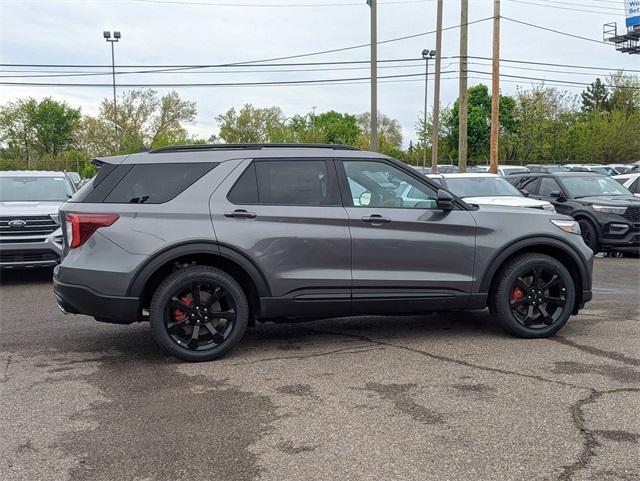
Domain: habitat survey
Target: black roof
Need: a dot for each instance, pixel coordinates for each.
(200, 147)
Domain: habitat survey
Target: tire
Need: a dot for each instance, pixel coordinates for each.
(589, 234)
(537, 309)
(183, 313)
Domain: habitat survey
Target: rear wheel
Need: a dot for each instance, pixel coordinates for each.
(534, 296)
(589, 235)
(198, 313)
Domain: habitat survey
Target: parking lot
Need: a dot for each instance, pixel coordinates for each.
(441, 397)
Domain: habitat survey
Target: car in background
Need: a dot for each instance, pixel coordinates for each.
(489, 189)
(623, 168)
(505, 170)
(547, 168)
(75, 178)
(608, 214)
(447, 169)
(30, 233)
(599, 169)
(630, 181)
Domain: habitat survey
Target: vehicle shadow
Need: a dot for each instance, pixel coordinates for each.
(135, 342)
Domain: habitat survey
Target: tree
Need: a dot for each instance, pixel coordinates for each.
(625, 92)
(478, 122)
(595, 97)
(30, 129)
(141, 120)
(250, 124)
(389, 135)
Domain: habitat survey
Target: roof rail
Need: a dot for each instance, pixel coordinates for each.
(200, 147)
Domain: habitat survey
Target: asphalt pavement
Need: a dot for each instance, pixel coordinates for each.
(439, 397)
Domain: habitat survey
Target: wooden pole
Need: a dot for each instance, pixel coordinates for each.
(462, 93)
(436, 90)
(495, 90)
(374, 75)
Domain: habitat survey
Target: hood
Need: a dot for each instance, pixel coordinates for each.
(19, 208)
(611, 200)
(512, 201)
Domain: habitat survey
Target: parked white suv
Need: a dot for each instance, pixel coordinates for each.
(630, 181)
(30, 234)
(489, 189)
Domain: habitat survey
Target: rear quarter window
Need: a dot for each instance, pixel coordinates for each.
(142, 183)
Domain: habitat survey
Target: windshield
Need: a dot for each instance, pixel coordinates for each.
(481, 187)
(32, 189)
(592, 185)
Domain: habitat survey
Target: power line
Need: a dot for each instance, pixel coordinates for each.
(560, 32)
(276, 5)
(558, 5)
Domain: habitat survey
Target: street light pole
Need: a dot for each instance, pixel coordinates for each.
(426, 55)
(108, 38)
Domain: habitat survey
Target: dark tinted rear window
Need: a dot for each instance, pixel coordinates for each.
(286, 182)
(142, 183)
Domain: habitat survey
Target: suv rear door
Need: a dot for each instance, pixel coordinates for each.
(407, 255)
(285, 215)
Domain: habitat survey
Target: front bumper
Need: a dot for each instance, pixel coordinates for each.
(17, 253)
(74, 299)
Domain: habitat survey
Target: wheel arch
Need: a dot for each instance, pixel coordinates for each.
(221, 256)
(550, 246)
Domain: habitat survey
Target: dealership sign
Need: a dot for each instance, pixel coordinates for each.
(633, 13)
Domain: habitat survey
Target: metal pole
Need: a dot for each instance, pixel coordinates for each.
(462, 94)
(436, 90)
(374, 75)
(426, 96)
(495, 90)
(113, 73)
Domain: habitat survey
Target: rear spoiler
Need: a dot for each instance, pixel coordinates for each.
(113, 159)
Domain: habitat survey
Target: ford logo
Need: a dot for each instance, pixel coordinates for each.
(17, 223)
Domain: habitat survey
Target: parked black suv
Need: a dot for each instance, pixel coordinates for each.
(608, 214)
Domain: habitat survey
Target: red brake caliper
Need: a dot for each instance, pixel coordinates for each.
(516, 294)
(180, 315)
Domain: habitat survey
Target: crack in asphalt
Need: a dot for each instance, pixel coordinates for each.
(452, 360)
(5, 377)
(345, 350)
(589, 443)
(612, 355)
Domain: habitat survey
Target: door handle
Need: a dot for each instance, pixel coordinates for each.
(376, 219)
(240, 214)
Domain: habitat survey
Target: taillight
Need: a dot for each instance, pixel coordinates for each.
(82, 226)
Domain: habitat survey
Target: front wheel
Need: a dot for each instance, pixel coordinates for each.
(198, 313)
(589, 235)
(534, 296)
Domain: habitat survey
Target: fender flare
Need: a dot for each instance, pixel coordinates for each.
(144, 273)
(498, 260)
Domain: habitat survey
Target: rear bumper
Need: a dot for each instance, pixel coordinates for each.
(73, 299)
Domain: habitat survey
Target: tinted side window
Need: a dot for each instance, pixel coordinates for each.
(296, 182)
(529, 184)
(548, 185)
(156, 183)
(245, 190)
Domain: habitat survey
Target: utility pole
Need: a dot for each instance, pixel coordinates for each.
(495, 90)
(462, 94)
(112, 41)
(426, 55)
(436, 90)
(373, 4)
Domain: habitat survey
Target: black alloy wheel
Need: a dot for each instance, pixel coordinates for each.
(538, 298)
(198, 313)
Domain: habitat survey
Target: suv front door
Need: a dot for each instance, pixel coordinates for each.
(286, 217)
(407, 255)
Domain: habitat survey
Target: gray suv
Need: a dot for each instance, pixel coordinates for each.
(30, 233)
(204, 240)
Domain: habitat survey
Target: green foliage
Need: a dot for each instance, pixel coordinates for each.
(595, 97)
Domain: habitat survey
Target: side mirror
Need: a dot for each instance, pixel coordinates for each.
(525, 192)
(445, 200)
(556, 194)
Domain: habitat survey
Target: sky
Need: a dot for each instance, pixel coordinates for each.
(213, 32)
